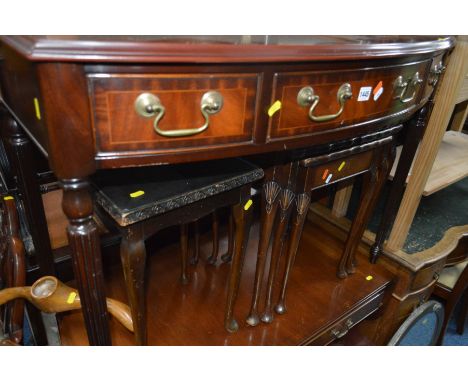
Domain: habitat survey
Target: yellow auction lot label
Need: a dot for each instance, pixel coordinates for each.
(136, 194)
(274, 108)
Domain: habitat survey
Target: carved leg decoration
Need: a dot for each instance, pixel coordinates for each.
(270, 194)
(285, 202)
(86, 254)
(242, 219)
(214, 254)
(227, 257)
(414, 134)
(133, 256)
(184, 253)
(302, 204)
(196, 253)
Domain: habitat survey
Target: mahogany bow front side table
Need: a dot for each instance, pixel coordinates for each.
(108, 102)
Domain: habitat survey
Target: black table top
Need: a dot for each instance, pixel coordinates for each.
(132, 195)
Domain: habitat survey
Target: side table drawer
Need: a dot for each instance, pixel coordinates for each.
(119, 126)
(331, 172)
(426, 275)
(372, 93)
(340, 328)
(327, 169)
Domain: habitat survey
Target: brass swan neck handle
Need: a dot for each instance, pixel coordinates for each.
(306, 96)
(148, 105)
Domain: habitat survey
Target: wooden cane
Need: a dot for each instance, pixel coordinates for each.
(52, 296)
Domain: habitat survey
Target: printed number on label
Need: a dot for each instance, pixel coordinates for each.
(364, 93)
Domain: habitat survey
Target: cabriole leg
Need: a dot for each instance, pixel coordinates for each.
(242, 217)
(285, 202)
(298, 219)
(270, 194)
(133, 257)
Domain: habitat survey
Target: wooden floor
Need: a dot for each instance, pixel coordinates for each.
(193, 314)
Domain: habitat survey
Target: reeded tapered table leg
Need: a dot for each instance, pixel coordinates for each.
(297, 225)
(133, 256)
(184, 253)
(242, 213)
(270, 202)
(86, 254)
(215, 229)
(227, 257)
(285, 201)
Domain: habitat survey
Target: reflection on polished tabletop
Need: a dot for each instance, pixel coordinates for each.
(188, 315)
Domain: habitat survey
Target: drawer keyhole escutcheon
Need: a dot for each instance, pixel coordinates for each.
(306, 97)
(148, 105)
(404, 85)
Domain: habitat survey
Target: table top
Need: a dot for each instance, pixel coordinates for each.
(217, 49)
(132, 195)
(258, 77)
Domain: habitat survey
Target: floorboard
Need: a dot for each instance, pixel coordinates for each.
(193, 314)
